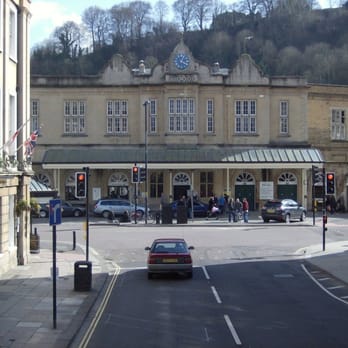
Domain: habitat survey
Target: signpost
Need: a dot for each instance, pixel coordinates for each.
(55, 218)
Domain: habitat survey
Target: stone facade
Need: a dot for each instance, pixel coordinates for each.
(15, 170)
(209, 130)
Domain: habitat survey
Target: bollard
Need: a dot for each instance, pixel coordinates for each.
(74, 240)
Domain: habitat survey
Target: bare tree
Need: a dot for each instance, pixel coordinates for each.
(202, 12)
(184, 12)
(141, 11)
(161, 9)
(250, 7)
(69, 38)
(122, 19)
(97, 22)
(218, 8)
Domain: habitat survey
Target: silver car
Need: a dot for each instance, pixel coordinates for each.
(116, 207)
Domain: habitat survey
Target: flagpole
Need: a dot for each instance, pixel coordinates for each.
(14, 136)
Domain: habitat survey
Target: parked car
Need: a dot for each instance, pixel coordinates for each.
(119, 208)
(200, 209)
(169, 255)
(67, 209)
(284, 210)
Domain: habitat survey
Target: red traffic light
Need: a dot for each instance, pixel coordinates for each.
(330, 176)
(135, 169)
(80, 177)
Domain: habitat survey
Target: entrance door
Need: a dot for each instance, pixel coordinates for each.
(181, 184)
(246, 191)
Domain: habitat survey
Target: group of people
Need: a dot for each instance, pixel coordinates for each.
(236, 209)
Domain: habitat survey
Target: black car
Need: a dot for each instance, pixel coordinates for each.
(284, 210)
(67, 210)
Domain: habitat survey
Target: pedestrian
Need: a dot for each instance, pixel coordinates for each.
(221, 204)
(245, 208)
(231, 210)
(238, 209)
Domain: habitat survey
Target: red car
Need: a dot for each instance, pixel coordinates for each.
(169, 255)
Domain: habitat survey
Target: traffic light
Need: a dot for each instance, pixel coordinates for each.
(330, 183)
(142, 174)
(80, 185)
(135, 174)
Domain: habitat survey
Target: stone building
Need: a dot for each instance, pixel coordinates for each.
(199, 129)
(15, 170)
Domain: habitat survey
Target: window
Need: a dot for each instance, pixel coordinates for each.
(13, 32)
(152, 117)
(338, 128)
(210, 116)
(156, 185)
(34, 115)
(245, 116)
(284, 117)
(182, 115)
(74, 116)
(206, 184)
(117, 116)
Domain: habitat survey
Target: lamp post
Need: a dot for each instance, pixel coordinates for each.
(146, 103)
(247, 38)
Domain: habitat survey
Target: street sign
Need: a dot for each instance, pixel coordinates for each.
(55, 212)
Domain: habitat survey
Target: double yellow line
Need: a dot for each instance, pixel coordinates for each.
(84, 342)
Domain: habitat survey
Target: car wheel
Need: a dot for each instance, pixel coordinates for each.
(265, 220)
(287, 218)
(189, 275)
(149, 275)
(303, 216)
(106, 214)
(77, 213)
(43, 213)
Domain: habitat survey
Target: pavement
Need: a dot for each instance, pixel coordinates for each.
(26, 292)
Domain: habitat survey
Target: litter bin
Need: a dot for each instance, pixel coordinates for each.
(83, 276)
(181, 214)
(167, 214)
(34, 242)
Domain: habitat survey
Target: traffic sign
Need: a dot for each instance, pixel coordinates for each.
(55, 212)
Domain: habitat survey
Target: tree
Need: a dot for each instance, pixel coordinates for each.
(98, 25)
(184, 12)
(68, 37)
(202, 12)
(161, 9)
(140, 11)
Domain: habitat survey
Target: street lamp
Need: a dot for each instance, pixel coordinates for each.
(146, 103)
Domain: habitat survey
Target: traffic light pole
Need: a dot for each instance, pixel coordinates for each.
(324, 209)
(86, 169)
(146, 160)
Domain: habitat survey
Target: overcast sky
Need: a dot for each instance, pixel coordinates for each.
(49, 14)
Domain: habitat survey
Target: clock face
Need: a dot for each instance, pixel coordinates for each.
(181, 61)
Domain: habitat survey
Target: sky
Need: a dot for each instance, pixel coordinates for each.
(49, 14)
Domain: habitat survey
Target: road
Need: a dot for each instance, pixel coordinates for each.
(249, 289)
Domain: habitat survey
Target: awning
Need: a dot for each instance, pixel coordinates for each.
(38, 189)
(174, 157)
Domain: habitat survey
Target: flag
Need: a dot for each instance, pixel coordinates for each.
(9, 142)
(30, 143)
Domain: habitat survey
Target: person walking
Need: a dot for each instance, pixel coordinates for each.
(245, 207)
(231, 210)
(238, 209)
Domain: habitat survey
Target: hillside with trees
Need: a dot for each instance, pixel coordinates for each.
(284, 37)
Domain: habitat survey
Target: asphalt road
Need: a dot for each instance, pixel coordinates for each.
(248, 289)
(249, 304)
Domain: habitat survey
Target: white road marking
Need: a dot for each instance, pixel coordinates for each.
(205, 273)
(232, 330)
(321, 286)
(217, 297)
(323, 279)
(344, 297)
(335, 287)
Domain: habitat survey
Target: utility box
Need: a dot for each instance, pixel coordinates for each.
(83, 276)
